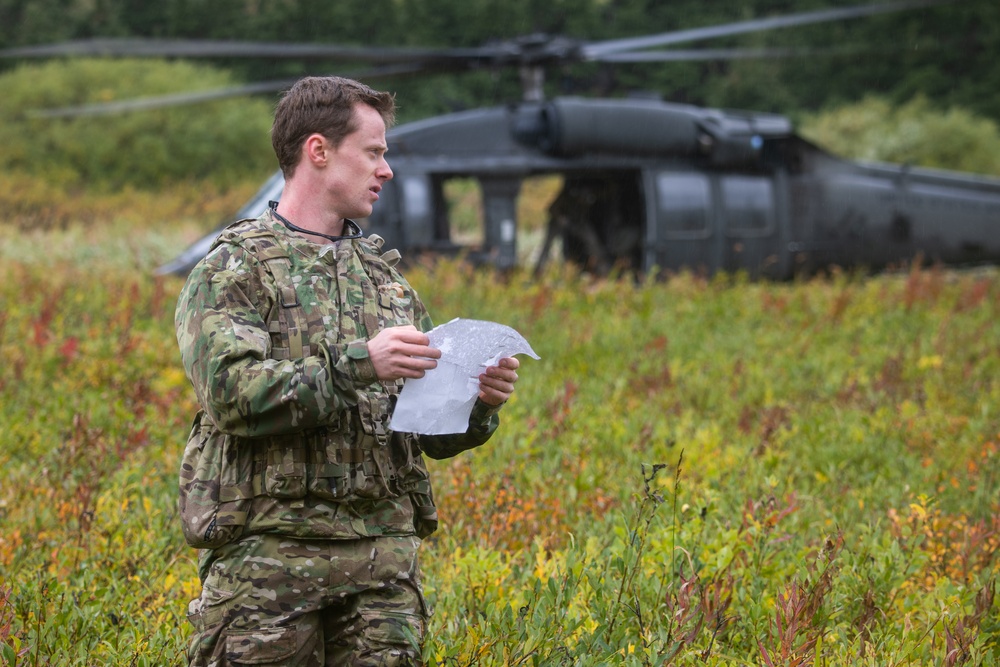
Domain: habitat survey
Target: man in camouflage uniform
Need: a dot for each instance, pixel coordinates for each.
(297, 334)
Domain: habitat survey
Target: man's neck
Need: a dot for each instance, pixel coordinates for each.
(309, 215)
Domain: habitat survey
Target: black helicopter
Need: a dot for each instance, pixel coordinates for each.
(646, 185)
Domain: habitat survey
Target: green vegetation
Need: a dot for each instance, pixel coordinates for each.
(715, 472)
(696, 471)
(174, 164)
(215, 144)
(946, 52)
(914, 133)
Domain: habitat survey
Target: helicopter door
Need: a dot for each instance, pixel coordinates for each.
(476, 216)
(747, 212)
(500, 210)
(683, 230)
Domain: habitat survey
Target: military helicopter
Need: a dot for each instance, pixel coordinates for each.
(645, 185)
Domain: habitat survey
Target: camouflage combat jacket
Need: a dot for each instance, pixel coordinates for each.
(293, 435)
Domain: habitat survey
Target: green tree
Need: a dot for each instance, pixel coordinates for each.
(223, 141)
(947, 53)
(914, 133)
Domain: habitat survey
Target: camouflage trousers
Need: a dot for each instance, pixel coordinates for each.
(273, 600)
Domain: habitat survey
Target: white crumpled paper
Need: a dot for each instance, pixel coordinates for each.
(441, 401)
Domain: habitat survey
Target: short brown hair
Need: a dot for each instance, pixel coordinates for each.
(324, 105)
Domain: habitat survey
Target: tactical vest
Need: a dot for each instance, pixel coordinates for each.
(354, 457)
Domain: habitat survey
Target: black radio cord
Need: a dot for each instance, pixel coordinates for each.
(355, 232)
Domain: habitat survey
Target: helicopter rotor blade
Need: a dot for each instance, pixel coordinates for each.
(159, 101)
(506, 52)
(181, 99)
(531, 53)
(276, 85)
(183, 48)
(602, 50)
(699, 55)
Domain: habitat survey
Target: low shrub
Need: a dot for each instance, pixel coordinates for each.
(696, 471)
(31, 202)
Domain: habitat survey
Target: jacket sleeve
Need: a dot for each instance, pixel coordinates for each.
(483, 422)
(225, 349)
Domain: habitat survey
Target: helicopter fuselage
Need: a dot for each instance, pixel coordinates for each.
(653, 186)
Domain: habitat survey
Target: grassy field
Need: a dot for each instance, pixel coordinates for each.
(696, 472)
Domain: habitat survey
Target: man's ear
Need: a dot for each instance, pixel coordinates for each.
(315, 149)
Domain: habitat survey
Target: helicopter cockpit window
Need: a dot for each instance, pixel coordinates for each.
(748, 203)
(684, 202)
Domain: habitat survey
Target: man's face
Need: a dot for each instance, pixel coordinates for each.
(357, 167)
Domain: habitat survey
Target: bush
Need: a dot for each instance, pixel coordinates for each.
(222, 142)
(34, 203)
(695, 473)
(915, 133)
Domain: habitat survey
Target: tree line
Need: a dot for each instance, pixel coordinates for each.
(945, 53)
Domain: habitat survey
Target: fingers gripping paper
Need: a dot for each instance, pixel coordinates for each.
(441, 401)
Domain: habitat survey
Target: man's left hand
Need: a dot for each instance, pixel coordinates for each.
(497, 383)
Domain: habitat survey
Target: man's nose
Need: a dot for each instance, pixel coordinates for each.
(384, 170)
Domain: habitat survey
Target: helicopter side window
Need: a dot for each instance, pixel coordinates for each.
(747, 201)
(684, 202)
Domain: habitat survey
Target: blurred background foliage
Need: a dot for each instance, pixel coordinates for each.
(946, 52)
(916, 86)
(915, 133)
(223, 142)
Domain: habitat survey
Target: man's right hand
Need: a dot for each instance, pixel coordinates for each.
(401, 352)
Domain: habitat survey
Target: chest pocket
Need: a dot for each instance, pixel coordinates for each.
(395, 299)
(396, 304)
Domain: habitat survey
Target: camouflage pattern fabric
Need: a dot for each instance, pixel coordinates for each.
(299, 445)
(270, 600)
(306, 506)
